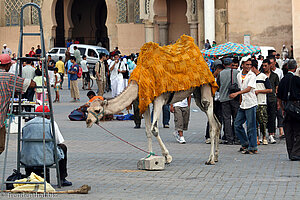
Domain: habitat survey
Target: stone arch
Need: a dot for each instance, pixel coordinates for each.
(87, 24)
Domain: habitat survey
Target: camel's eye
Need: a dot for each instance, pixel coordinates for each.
(97, 111)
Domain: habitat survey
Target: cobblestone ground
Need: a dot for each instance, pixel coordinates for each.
(109, 165)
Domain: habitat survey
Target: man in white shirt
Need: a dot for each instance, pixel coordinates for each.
(247, 111)
(27, 150)
(263, 86)
(116, 77)
(6, 50)
(85, 72)
(279, 60)
(28, 72)
(276, 70)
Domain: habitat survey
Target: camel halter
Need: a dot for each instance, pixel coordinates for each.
(97, 115)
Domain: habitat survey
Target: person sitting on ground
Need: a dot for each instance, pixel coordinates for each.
(92, 96)
(32, 155)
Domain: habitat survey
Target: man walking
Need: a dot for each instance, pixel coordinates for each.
(247, 111)
(60, 65)
(77, 55)
(100, 74)
(289, 92)
(229, 106)
(73, 80)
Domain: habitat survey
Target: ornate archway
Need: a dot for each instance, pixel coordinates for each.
(88, 22)
(152, 13)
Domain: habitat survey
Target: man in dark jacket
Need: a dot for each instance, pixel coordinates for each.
(289, 91)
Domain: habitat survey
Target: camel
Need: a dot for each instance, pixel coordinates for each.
(203, 98)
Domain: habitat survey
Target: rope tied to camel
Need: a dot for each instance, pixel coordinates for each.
(149, 153)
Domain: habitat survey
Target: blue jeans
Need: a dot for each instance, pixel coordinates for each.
(166, 114)
(69, 80)
(249, 116)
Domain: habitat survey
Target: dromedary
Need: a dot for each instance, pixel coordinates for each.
(203, 98)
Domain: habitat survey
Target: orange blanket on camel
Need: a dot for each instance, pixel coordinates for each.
(171, 68)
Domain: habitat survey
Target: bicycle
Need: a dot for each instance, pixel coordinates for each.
(85, 80)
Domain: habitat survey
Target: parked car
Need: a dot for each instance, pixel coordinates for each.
(92, 53)
(56, 52)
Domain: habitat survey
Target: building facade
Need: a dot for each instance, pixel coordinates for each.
(128, 24)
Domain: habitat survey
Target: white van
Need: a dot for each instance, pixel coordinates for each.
(265, 51)
(92, 53)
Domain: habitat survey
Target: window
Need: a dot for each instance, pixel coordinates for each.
(62, 51)
(102, 51)
(53, 51)
(92, 53)
(82, 50)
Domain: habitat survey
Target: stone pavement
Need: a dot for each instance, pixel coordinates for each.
(109, 165)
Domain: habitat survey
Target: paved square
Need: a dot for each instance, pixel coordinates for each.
(109, 166)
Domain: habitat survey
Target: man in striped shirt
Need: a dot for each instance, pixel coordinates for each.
(6, 89)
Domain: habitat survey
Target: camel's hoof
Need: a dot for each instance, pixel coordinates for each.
(210, 163)
(168, 159)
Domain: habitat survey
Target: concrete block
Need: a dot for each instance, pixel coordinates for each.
(152, 163)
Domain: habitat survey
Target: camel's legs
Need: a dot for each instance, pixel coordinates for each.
(214, 128)
(148, 128)
(157, 108)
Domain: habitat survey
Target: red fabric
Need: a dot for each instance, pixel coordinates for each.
(31, 53)
(5, 59)
(40, 109)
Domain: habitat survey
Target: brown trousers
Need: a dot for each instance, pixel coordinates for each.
(74, 89)
(101, 87)
(2, 139)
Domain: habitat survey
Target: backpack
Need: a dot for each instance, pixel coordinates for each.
(15, 176)
(79, 73)
(77, 115)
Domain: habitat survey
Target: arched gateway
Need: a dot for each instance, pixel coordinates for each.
(81, 20)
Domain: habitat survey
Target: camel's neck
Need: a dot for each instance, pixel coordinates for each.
(123, 100)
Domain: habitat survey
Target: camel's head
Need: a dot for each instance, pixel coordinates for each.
(95, 112)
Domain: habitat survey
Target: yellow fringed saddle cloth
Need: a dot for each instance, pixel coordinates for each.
(171, 68)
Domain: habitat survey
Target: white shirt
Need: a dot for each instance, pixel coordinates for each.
(114, 73)
(84, 66)
(259, 63)
(28, 72)
(260, 85)
(279, 72)
(249, 99)
(58, 136)
(280, 62)
(58, 78)
(6, 51)
(13, 68)
(182, 104)
(109, 61)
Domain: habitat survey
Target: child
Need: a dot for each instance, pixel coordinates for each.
(38, 80)
(56, 84)
(181, 112)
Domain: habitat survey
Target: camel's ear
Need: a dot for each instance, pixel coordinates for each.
(104, 103)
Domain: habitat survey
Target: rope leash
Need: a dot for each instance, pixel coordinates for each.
(150, 153)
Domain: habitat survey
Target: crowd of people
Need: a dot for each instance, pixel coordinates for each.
(253, 94)
(251, 91)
